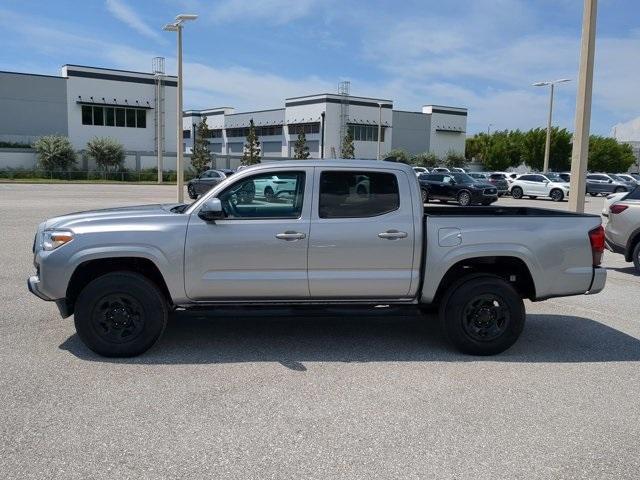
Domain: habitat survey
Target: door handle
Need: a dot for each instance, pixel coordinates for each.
(290, 236)
(392, 235)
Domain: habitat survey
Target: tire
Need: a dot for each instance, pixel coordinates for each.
(636, 258)
(464, 199)
(619, 190)
(556, 195)
(472, 322)
(425, 195)
(269, 195)
(192, 192)
(516, 192)
(120, 314)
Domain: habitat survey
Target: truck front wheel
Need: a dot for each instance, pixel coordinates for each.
(120, 314)
(482, 315)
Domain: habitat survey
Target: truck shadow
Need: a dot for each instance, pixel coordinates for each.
(292, 340)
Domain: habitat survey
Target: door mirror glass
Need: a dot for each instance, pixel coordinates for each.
(211, 210)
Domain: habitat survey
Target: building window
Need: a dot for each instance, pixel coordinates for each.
(297, 128)
(98, 116)
(366, 133)
(109, 117)
(87, 115)
(119, 117)
(264, 131)
(186, 133)
(131, 117)
(214, 133)
(141, 118)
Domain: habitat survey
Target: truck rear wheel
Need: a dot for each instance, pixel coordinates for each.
(120, 314)
(482, 315)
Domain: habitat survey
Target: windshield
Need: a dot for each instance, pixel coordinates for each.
(617, 178)
(555, 177)
(462, 178)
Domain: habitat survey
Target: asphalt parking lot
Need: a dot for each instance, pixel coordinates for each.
(321, 395)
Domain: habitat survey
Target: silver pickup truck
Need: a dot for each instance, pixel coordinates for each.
(343, 232)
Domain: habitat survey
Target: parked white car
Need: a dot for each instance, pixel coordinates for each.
(420, 170)
(610, 200)
(535, 185)
(440, 170)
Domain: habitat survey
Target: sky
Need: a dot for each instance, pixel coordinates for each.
(252, 54)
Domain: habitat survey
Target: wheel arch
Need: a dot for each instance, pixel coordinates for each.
(91, 269)
(512, 269)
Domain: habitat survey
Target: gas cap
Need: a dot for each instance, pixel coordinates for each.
(449, 237)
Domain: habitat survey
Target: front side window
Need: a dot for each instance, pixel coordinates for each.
(353, 194)
(527, 178)
(265, 196)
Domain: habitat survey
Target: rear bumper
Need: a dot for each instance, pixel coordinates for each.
(599, 280)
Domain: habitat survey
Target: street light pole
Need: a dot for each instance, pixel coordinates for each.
(177, 27)
(547, 143)
(379, 127)
(580, 151)
(180, 133)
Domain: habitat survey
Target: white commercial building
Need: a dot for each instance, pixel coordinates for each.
(435, 129)
(138, 110)
(135, 108)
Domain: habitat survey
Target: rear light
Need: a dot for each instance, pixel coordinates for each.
(596, 238)
(618, 208)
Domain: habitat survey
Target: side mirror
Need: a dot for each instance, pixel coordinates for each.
(211, 210)
(610, 181)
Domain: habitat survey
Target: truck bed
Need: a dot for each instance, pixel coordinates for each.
(455, 211)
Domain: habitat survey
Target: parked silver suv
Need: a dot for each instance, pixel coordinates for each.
(623, 228)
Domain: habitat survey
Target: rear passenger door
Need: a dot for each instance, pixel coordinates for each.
(361, 242)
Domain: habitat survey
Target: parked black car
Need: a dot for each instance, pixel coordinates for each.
(204, 182)
(456, 187)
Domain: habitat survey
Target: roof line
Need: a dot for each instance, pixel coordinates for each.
(34, 74)
(338, 95)
(116, 70)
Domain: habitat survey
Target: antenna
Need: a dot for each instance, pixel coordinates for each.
(344, 88)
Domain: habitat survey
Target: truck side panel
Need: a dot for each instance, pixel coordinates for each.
(558, 256)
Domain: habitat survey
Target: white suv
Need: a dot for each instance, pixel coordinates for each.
(623, 228)
(536, 185)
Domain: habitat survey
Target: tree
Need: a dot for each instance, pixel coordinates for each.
(300, 148)
(201, 156)
(55, 152)
(473, 147)
(607, 155)
(426, 159)
(107, 153)
(533, 145)
(347, 149)
(251, 153)
(454, 159)
(400, 155)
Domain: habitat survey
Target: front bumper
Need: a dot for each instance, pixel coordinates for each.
(33, 283)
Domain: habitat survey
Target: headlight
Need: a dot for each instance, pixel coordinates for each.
(53, 239)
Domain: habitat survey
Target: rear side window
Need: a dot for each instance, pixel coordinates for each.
(634, 194)
(353, 194)
(497, 176)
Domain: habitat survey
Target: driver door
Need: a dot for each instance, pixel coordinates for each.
(259, 250)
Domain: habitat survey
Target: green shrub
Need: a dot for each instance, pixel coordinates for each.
(107, 153)
(55, 152)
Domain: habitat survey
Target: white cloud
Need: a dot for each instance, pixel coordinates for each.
(274, 11)
(124, 13)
